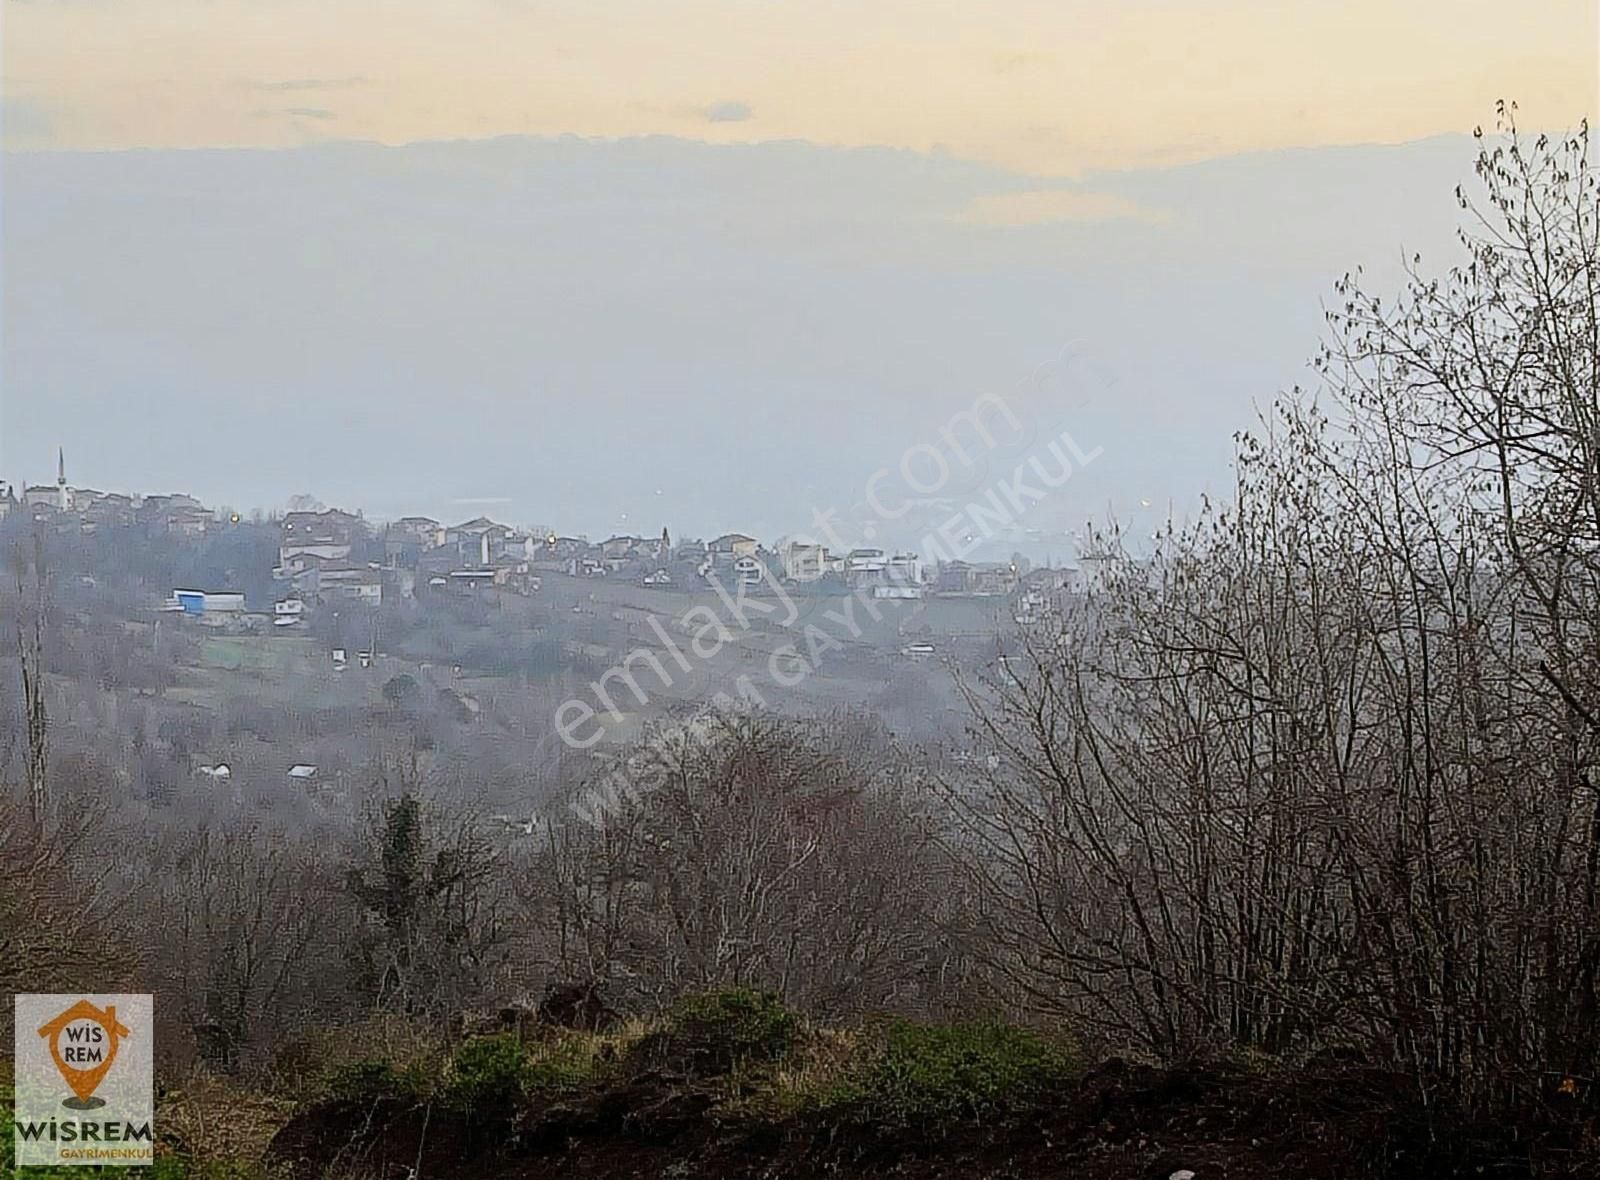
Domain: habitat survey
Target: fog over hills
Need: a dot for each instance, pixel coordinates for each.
(620, 335)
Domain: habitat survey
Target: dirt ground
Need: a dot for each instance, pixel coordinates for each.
(1118, 1122)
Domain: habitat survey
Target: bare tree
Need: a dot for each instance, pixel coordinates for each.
(1319, 768)
(30, 651)
(242, 941)
(745, 849)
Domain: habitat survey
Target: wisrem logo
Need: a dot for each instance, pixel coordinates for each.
(83, 1080)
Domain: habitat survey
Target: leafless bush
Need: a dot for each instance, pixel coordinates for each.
(751, 850)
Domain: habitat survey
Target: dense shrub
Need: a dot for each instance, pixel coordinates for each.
(488, 1077)
(922, 1073)
(717, 1032)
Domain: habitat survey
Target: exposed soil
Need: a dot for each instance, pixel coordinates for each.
(1118, 1122)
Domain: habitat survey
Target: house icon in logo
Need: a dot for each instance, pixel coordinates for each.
(92, 1036)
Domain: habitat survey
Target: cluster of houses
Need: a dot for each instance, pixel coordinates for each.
(732, 559)
(90, 509)
(331, 556)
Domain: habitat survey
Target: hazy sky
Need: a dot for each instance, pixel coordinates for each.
(1043, 86)
(708, 265)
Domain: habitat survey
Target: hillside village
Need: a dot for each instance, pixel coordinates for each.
(275, 661)
(331, 556)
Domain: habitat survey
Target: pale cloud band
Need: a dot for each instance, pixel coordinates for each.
(1041, 207)
(1044, 88)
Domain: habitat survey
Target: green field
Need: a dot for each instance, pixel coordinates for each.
(273, 654)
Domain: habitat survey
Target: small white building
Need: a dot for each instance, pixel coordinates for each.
(358, 583)
(749, 570)
(206, 602)
(803, 561)
(904, 569)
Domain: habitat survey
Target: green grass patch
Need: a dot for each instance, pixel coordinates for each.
(233, 654)
(926, 1073)
(568, 1062)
